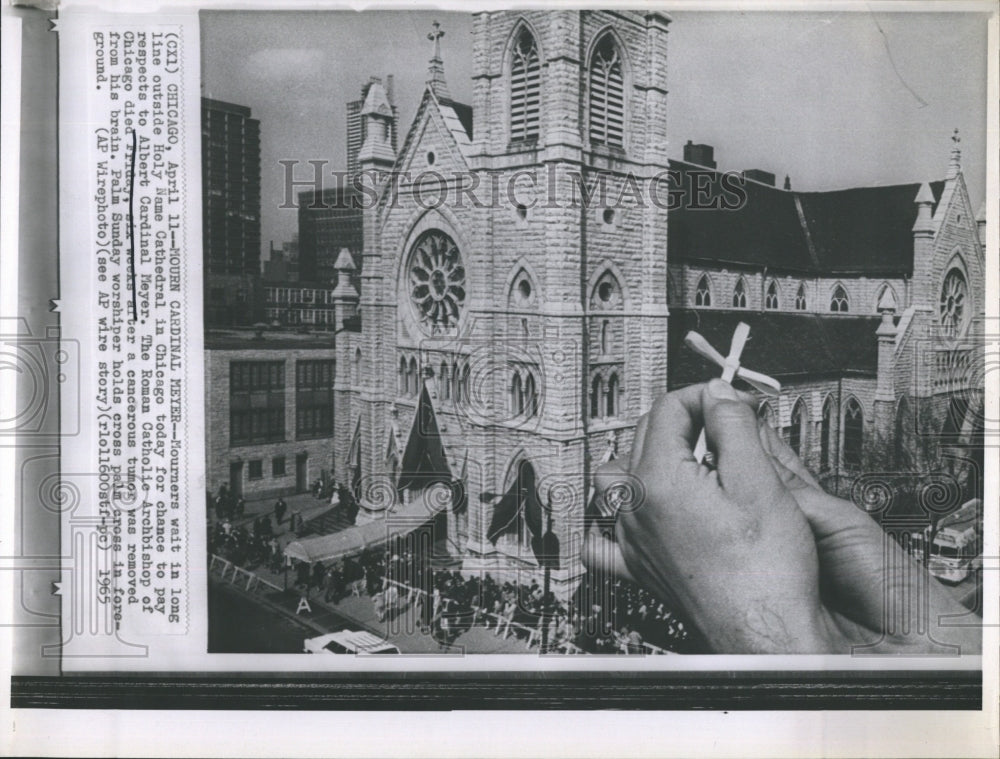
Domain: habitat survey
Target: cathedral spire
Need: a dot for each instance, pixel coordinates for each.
(955, 163)
(435, 69)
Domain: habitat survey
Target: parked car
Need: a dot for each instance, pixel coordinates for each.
(349, 642)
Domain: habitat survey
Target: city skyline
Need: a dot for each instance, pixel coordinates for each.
(885, 117)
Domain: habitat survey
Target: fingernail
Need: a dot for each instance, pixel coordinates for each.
(722, 391)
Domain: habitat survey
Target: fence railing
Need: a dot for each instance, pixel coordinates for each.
(238, 574)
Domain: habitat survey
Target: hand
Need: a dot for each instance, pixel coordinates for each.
(757, 556)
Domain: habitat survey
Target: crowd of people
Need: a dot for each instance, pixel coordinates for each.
(605, 614)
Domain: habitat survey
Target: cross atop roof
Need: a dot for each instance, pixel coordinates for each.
(435, 37)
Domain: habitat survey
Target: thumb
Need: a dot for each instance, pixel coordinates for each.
(744, 467)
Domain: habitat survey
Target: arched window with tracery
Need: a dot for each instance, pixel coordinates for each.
(800, 298)
(703, 293)
(525, 88)
(740, 294)
(954, 297)
(854, 426)
(771, 300)
(607, 94)
(839, 303)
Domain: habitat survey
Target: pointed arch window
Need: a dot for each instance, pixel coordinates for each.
(838, 301)
(403, 383)
(703, 293)
(525, 88)
(611, 397)
(530, 395)
(854, 425)
(414, 384)
(607, 95)
(516, 395)
(825, 432)
(766, 414)
(796, 430)
(771, 300)
(800, 298)
(740, 294)
(595, 397)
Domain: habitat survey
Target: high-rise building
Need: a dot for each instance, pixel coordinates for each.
(356, 122)
(231, 211)
(329, 219)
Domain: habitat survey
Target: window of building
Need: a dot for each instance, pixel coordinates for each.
(255, 470)
(530, 395)
(437, 282)
(703, 293)
(740, 294)
(403, 385)
(607, 95)
(796, 430)
(825, 430)
(954, 294)
(314, 399)
(604, 336)
(838, 301)
(256, 402)
(413, 378)
(278, 466)
(445, 376)
(800, 298)
(595, 397)
(611, 397)
(854, 422)
(771, 300)
(525, 88)
(766, 414)
(516, 395)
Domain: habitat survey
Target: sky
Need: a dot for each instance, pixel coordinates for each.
(834, 99)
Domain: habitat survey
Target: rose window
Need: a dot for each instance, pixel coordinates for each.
(437, 281)
(954, 294)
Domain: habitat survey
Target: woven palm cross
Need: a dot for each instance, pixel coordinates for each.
(730, 368)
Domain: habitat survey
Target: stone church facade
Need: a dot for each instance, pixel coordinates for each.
(519, 340)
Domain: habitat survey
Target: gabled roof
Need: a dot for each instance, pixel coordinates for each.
(457, 118)
(864, 230)
(782, 345)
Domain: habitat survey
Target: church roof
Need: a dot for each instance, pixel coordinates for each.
(786, 346)
(861, 231)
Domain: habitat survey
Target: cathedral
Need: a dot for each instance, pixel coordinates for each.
(497, 353)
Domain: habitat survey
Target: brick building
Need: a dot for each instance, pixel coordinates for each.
(496, 354)
(268, 411)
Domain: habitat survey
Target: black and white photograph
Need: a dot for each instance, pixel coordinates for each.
(539, 379)
(465, 279)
